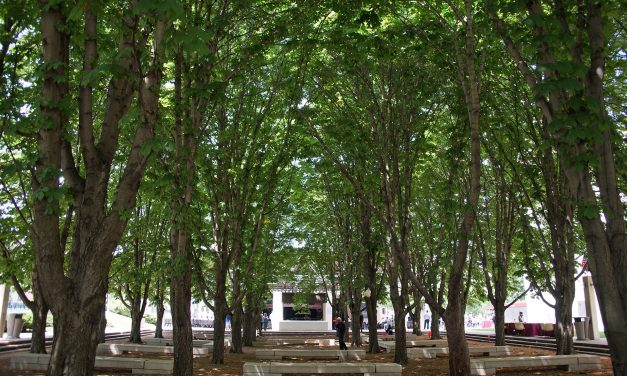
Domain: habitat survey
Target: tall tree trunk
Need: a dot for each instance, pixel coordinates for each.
(435, 325)
(499, 323)
(563, 311)
(456, 338)
(180, 306)
(218, 327)
(400, 337)
(38, 339)
(102, 325)
(249, 325)
(236, 329)
(180, 303)
(75, 354)
(355, 323)
(398, 303)
(40, 314)
(252, 321)
(160, 310)
(136, 319)
(373, 340)
(417, 329)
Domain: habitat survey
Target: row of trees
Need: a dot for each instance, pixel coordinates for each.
(170, 151)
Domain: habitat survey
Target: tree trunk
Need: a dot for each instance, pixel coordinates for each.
(74, 355)
(373, 340)
(459, 358)
(136, 319)
(160, 312)
(38, 339)
(180, 301)
(355, 325)
(435, 325)
(218, 328)
(398, 303)
(40, 314)
(236, 329)
(417, 329)
(499, 325)
(102, 325)
(564, 319)
(249, 327)
(400, 337)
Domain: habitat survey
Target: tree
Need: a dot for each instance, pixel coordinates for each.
(146, 235)
(98, 213)
(562, 56)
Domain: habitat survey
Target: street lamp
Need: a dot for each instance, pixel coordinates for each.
(367, 293)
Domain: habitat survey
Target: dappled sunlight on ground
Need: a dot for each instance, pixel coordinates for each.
(423, 367)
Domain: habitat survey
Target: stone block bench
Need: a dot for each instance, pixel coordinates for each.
(301, 341)
(572, 363)
(39, 362)
(279, 354)
(123, 348)
(391, 346)
(432, 352)
(386, 338)
(366, 369)
(196, 343)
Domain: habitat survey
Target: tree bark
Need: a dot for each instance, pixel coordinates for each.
(355, 323)
(38, 339)
(373, 340)
(75, 287)
(456, 338)
(180, 305)
(218, 327)
(564, 320)
(75, 355)
(136, 319)
(499, 325)
(435, 324)
(160, 310)
(102, 325)
(236, 329)
(417, 329)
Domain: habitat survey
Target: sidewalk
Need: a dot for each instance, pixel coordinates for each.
(601, 341)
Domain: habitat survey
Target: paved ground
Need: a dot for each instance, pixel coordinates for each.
(424, 367)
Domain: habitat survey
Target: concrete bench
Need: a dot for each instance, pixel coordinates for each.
(366, 369)
(39, 362)
(573, 363)
(196, 343)
(123, 348)
(279, 354)
(391, 346)
(301, 341)
(386, 338)
(432, 352)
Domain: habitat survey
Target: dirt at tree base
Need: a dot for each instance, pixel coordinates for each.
(233, 364)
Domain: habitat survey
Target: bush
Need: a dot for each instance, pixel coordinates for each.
(121, 310)
(28, 322)
(150, 319)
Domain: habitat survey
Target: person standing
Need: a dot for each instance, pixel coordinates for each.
(341, 331)
(427, 320)
(520, 317)
(264, 321)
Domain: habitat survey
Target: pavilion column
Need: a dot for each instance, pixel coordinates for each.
(5, 290)
(277, 310)
(327, 315)
(591, 307)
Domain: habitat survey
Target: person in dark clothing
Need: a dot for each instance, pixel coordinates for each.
(341, 330)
